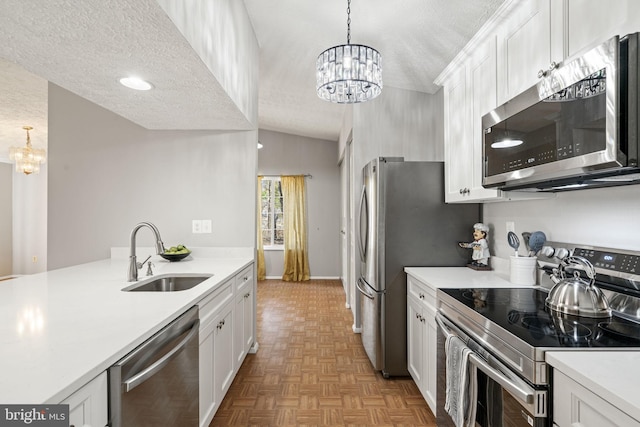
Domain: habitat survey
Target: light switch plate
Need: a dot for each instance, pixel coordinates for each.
(206, 226)
(196, 226)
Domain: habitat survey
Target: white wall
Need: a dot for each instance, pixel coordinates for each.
(6, 218)
(602, 217)
(106, 174)
(221, 33)
(399, 123)
(30, 222)
(285, 154)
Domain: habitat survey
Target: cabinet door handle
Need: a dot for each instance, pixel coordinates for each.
(421, 296)
(545, 73)
(465, 191)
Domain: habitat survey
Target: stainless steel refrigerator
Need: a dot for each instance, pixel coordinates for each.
(404, 222)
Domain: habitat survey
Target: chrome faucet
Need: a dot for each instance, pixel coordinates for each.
(133, 263)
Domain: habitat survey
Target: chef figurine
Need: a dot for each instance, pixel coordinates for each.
(480, 247)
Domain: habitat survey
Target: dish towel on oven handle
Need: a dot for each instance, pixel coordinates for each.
(461, 386)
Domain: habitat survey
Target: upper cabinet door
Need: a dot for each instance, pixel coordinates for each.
(525, 47)
(483, 98)
(591, 22)
(458, 143)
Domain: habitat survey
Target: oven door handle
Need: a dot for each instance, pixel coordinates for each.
(514, 385)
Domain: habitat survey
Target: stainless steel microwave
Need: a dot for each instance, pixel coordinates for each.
(577, 128)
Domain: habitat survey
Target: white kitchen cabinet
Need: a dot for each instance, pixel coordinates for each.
(244, 314)
(213, 309)
(469, 94)
(88, 407)
(223, 360)
(422, 338)
(415, 340)
(576, 406)
(537, 33)
(524, 44)
(458, 160)
(591, 22)
(227, 325)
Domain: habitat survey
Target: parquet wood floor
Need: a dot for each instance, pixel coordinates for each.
(311, 369)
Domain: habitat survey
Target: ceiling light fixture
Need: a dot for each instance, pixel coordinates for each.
(349, 73)
(260, 145)
(135, 83)
(28, 159)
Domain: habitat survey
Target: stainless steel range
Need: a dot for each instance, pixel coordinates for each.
(506, 332)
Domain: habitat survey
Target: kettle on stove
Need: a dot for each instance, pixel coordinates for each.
(574, 295)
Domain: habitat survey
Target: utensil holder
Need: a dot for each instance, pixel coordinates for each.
(523, 270)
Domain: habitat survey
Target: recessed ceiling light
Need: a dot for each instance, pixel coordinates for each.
(135, 83)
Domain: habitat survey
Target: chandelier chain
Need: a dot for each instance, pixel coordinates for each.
(348, 21)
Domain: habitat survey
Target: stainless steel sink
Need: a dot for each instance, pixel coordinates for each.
(167, 284)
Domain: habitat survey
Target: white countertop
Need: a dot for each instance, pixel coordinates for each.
(612, 375)
(60, 329)
(460, 277)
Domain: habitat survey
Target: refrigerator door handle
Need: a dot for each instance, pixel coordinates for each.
(362, 290)
(363, 204)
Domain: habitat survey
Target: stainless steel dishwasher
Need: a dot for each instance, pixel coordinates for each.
(157, 383)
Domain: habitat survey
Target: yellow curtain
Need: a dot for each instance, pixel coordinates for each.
(262, 269)
(296, 262)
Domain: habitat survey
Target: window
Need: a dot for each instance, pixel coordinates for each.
(272, 213)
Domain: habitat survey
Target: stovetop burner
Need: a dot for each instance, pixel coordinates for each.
(522, 312)
(627, 331)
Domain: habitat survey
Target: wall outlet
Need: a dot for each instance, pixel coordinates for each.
(196, 226)
(34, 259)
(206, 226)
(511, 226)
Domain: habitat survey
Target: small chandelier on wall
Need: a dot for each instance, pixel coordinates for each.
(27, 159)
(349, 73)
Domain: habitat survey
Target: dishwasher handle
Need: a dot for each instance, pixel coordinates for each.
(142, 376)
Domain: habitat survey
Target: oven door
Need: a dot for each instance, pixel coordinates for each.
(503, 398)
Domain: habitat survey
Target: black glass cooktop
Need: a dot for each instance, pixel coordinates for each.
(522, 312)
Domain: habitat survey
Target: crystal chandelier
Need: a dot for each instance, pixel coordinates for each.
(349, 73)
(28, 159)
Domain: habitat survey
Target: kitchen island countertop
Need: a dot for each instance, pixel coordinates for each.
(61, 328)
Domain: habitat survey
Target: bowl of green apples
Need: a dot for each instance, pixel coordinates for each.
(175, 253)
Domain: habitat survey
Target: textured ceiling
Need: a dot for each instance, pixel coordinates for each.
(86, 46)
